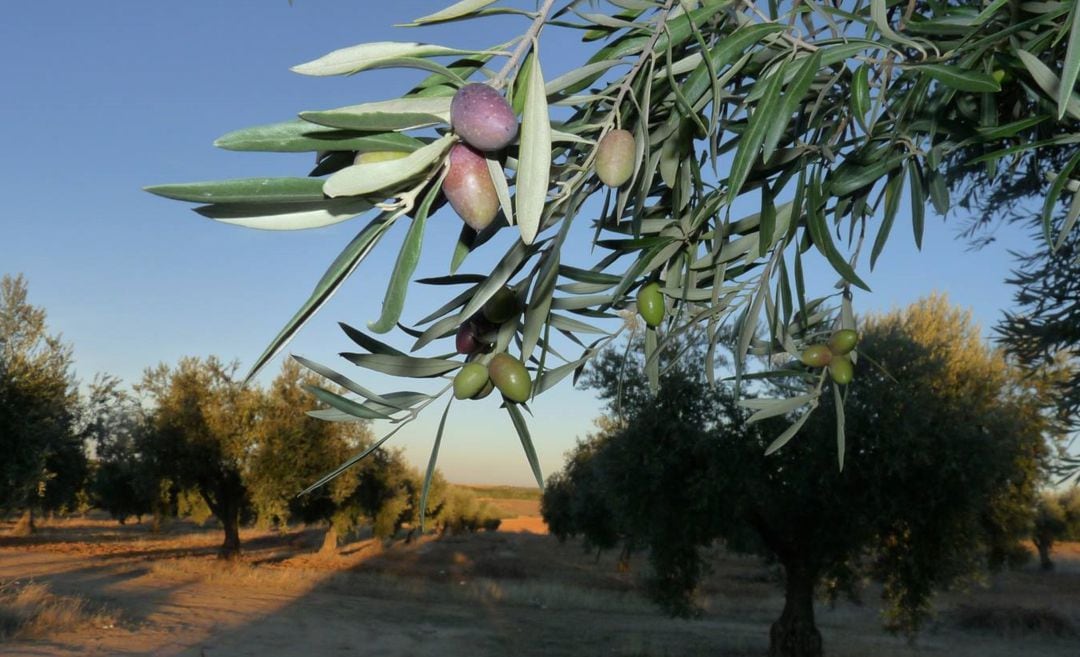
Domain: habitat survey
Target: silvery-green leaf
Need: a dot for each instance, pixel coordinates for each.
(243, 190)
(357, 58)
(558, 136)
(879, 14)
(345, 405)
(840, 431)
(375, 176)
(1050, 83)
(534, 158)
(299, 136)
(526, 441)
(536, 312)
(409, 366)
(960, 78)
(790, 432)
(348, 383)
(429, 475)
(766, 408)
(407, 259)
(749, 152)
(1071, 69)
(397, 114)
(1070, 220)
(577, 75)
(502, 189)
(340, 269)
(456, 10)
(1057, 186)
(291, 216)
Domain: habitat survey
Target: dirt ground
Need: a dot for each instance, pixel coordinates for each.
(512, 592)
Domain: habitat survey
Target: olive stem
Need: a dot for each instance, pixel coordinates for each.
(624, 87)
(527, 40)
(415, 412)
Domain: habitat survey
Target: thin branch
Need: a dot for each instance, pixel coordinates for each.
(523, 46)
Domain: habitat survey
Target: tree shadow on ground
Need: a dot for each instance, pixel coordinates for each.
(494, 593)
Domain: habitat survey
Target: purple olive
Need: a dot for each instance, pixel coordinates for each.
(482, 117)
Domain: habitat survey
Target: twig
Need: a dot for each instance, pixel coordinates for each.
(786, 34)
(523, 46)
(625, 86)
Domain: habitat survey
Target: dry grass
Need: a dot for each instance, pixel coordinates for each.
(31, 611)
(1014, 621)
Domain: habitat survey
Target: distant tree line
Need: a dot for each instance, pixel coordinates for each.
(193, 440)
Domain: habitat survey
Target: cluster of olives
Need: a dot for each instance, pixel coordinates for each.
(475, 338)
(486, 123)
(836, 355)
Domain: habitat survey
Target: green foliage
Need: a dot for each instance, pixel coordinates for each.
(822, 114)
(944, 447)
(289, 450)
(115, 425)
(44, 465)
(201, 425)
(1057, 518)
(1043, 332)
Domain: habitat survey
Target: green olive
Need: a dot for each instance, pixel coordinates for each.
(502, 306)
(485, 391)
(841, 370)
(510, 377)
(650, 304)
(816, 355)
(470, 380)
(843, 341)
(615, 158)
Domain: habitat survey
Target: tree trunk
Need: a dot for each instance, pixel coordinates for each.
(794, 634)
(25, 524)
(1044, 547)
(230, 520)
(330, 542)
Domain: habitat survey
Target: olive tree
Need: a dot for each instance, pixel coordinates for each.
(944, 454)
(822, 116)
(1057, 518)
(125, 482)
(201, 425)
(43, 464)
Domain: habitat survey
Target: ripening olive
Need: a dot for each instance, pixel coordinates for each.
(843, 341)
(482, 117)
(378, 156)
(841, 370)
(510, 377)
(816, 355)
(615, 158)
(469, 189)
(470, 380)
(502, 306)
(650, 304)
(465, 341)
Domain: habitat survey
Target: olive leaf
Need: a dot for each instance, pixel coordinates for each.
(354, 59)
(376, 176)
(534, 158)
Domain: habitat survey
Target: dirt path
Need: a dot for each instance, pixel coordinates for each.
(490, 594)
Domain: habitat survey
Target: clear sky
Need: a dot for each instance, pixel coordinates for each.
(101, 99)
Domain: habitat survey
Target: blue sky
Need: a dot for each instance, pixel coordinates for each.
(102, 99)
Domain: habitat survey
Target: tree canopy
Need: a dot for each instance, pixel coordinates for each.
(945, 446)
(821, 115)
(43, 464)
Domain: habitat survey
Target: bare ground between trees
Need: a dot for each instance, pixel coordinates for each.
(514, 592)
